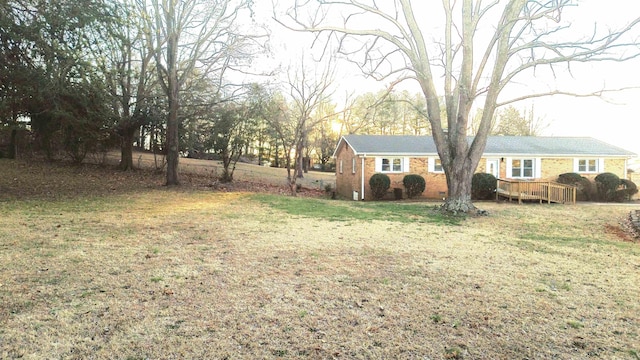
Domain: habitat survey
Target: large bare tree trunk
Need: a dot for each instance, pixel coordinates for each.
(172, 138)
(126, 149)
(459, 185)
(173, 87)
(300, 160)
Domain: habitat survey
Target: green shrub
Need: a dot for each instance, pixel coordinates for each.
(379, 184)
(607, 184)
(483, 186)
(585, 188)
(629, 189)
(570, 178)
(414, 184)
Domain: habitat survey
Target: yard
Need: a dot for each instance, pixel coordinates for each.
(243, 172)
(96, 264)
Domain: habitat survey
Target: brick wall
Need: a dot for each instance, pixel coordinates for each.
(346, 181)
(552, 167)
(436, 183)
(615, 166)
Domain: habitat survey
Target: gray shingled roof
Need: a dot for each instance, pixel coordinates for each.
(496, 145)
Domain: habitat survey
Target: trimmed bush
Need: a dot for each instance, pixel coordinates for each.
(586, 189)
(379, 184)
(570, 178)
(607, 185)
(483, 186)
(414, 184)
(625, 194)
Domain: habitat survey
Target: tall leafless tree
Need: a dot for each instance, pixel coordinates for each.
(307, 91)
(126, 62)
(390, 40)
(190, 34)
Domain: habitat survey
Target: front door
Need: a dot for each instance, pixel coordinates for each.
(493, 167)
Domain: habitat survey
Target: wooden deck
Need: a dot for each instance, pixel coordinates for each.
(543, 191)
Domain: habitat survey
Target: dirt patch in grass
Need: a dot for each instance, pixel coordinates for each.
(193, 273)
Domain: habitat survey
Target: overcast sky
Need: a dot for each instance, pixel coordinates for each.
(614, 118)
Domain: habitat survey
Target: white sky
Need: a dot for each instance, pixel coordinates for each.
(615, 118)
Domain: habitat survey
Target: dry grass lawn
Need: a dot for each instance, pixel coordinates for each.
(98, 265)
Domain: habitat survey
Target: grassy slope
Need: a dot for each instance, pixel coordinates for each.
(243, 171)
(160, 273)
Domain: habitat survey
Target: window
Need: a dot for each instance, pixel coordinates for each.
(589, 165)
(522, 168)
(353, 165)
(435, 165)
(392, 165)
(340, 167)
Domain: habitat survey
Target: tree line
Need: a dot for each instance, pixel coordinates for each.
(88, 76)
(81, 77)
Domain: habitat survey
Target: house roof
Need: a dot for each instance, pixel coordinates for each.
(496, 145)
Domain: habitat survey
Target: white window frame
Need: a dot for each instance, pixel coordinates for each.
(393, 164)
(598, 162)
(340, 166)
(403, 161)
(536, 167)
(353, 165)
(435, 165)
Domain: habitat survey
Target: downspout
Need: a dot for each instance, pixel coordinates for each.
(362, 178)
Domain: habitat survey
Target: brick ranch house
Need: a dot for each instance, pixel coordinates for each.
(358, 157)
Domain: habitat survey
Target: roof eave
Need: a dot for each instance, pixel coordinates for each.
(559, 155)
(335, 152)
(367, 153)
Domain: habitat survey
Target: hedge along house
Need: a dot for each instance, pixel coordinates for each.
(358, 157)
